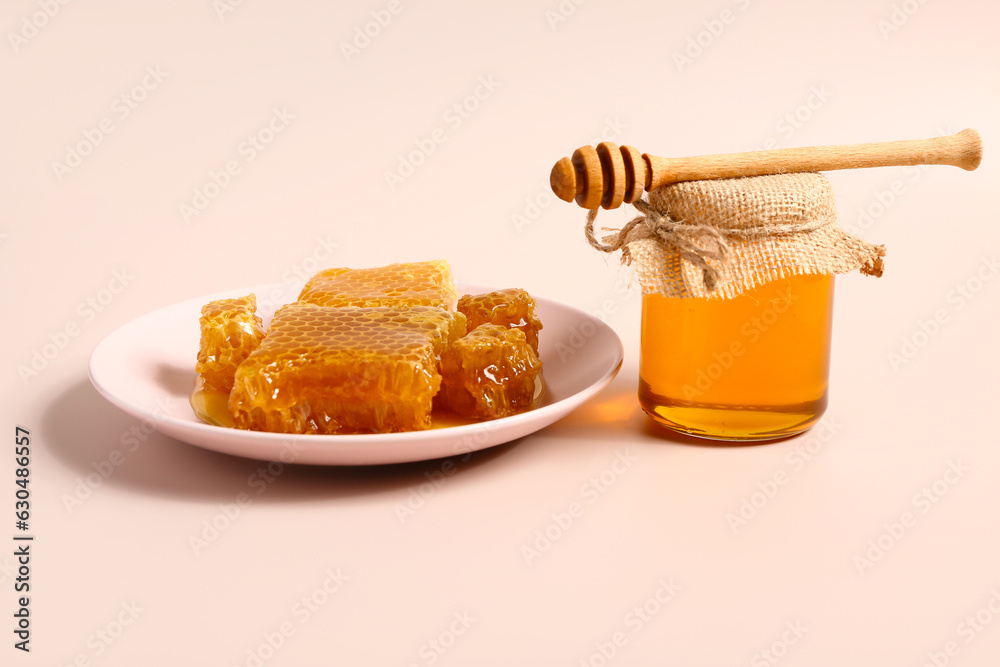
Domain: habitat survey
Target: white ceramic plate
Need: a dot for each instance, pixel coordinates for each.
(146, 368)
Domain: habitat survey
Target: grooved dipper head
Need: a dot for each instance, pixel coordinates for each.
(563, 179)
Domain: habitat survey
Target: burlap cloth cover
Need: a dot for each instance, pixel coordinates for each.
(717, 238)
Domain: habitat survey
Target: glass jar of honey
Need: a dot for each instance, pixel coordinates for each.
(753, 367)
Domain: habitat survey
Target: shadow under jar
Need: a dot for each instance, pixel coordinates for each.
(754, 367)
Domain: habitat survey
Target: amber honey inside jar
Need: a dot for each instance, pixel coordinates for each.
(754, 367)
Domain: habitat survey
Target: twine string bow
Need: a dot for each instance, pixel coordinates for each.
(695, 242)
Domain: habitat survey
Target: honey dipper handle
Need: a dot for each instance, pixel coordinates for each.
(963, 149)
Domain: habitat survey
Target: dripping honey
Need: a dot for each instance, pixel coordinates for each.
(754, 367)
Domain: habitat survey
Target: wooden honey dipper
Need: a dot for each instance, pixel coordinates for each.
(608, 175)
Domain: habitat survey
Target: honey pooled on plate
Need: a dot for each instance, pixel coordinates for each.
(341, 370)
(512, 308)
(230, 331)
(409, 284)
(489, 373)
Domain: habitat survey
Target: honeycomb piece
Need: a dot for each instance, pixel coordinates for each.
(490, 373)
(444, 326)
(512, 308)
(230, 331)
(414, 284)
(342, 370)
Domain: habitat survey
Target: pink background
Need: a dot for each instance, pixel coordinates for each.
(450, 584)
